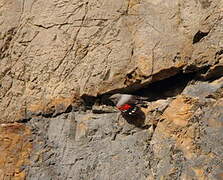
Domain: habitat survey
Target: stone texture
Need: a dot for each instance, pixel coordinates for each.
(58, 49)
(15, 146)
(91, 146)
(59, 59)
(182, 140)
(202, 90)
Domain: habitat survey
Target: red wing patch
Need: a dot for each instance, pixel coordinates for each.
(125, 107)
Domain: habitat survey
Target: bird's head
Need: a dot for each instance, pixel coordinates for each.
(115, 98)
(120, 99)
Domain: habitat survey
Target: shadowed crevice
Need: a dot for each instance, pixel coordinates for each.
(165, 88)
(199, 36)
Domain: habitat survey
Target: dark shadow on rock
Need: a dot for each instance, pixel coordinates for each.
(137, 118)
(169, 87)
(199, 36)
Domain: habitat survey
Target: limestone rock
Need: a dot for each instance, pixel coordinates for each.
(16, 146)
(60, 58)
(56, 49)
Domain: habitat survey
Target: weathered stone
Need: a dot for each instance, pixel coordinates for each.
(86, 147)
(15, 145)
(203, 90)
(56, 49)
(59, 59)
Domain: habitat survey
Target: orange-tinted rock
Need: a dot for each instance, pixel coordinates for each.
(52, 107)
(179, 111)
(51, 50)
(176, 126)
(15, 150)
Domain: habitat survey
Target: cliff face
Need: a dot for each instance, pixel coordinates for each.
(52, 53)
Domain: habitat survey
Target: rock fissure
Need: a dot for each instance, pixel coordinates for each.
(199, 36)
(60, 62)
(167, 88)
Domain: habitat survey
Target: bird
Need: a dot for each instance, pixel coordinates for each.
(128, 104)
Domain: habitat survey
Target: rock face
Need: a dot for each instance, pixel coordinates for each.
(59, 58)
(16, 146)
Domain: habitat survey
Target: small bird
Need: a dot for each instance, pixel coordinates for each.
(128, 104)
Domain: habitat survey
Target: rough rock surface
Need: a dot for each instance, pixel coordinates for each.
(182, 140)
(54, 52)
(63, 48)
(15, 146)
